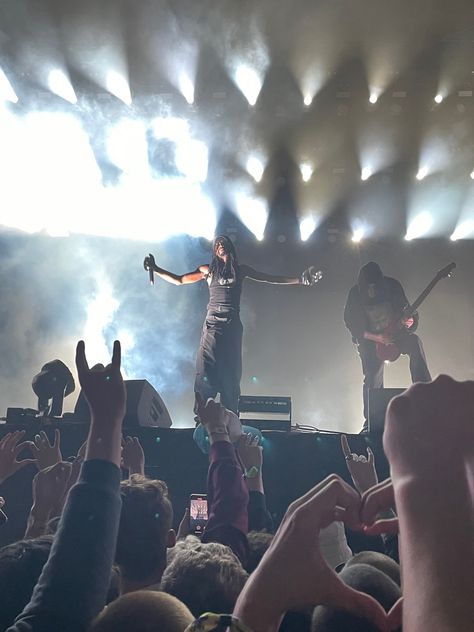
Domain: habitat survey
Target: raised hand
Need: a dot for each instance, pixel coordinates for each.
(149, 262)
(133, 457)
(215, 418)
(250, 453)
(377, 500)
(105, 392)
(49, 488)
(103, 387)
(10, 448)
(361, 467)
(44, 452)
(311, 276)
(293, 573)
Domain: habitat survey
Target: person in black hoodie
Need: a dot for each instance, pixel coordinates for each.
(372, 305)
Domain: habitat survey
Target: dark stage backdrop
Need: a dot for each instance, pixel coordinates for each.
(55, 291)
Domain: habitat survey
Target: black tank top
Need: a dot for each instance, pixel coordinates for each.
(224, 295)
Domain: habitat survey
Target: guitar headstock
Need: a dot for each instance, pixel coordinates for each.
(446, 271)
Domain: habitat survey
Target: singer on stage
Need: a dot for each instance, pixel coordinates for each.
(219, 358)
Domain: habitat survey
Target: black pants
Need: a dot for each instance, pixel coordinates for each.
(372, 366)
(219, 360)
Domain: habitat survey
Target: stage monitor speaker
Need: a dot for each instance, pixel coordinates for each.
(265, 412)
(379, 399)
(144, 406)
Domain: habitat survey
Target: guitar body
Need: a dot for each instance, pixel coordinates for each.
(387, 353)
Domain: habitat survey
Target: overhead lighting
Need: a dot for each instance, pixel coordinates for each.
(6, 91)
(365, 173)
(60, 85)
(249, 83)
(308, 99)
(306, 171)
(255, 168)
(374, 97)
(186, 87)
(422, 173)
(419, 226)
(118, 86)
(307, 228)
(472, 175)
(463, 230)
(439, 98)
(358, 235)
(253, 213)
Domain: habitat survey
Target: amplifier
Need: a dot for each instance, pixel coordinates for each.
(265, 412)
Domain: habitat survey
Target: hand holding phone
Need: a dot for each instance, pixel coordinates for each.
(198, 515)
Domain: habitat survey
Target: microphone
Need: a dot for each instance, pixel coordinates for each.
(148, 265)
(151, 275)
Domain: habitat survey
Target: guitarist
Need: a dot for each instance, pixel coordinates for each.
(372, 305)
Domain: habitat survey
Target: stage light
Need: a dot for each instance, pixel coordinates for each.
(173, 128)
(117, 85)
(464, 230)
(253, 213)
(255, 168)
(307, 228)
(60, 85)
(358, 235)
(249, 83)
(422, 173)
(365, 173)
(419, 226)
(374, 97)
(186, 87)
(192, 159)
(306, 171)
(472, 175)
(439, 98)
(308, 99)
(127, 147)
(6, 91)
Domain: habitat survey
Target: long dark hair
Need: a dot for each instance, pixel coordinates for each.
(217, 268)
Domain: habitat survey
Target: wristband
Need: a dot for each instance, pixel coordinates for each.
(211, 621)
(252, 472)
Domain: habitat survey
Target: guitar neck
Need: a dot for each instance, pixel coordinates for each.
(414, 306)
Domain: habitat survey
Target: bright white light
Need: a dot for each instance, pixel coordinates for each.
(422, 173)
(439, 98)
(100, 312)
(472, 175)
(365, 173)
(127, 147)
(463, 230)
(186, 87)
(192, 160)
(419, 226)
(249, 82)
(6, 91)
(358, 235)
(374, 97)
(60, 85)
(255, 168)
(307, 228)
(308, 99)
(118, 86)
(306, 171)
(174, 129)
(253, 213)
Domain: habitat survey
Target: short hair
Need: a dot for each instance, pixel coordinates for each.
(366, 579)
(259, 541)
(145, 522)
(206, 577)
(21, 564)
(378, 560)
(144, 611)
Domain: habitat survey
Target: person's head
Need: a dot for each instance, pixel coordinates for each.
(144, 611)
(206, 577)
(366, 579)
(21, 564)
(259, 541)
(145, 529)
(371, 281)
(224, 258)
(380, 561)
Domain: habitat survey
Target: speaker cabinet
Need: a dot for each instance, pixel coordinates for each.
(144, 406)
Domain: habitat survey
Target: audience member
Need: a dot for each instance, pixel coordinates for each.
(206, 577)
(145, 532)
(144, 611)
(133, 457)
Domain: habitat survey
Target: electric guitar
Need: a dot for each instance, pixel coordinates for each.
(408, 322)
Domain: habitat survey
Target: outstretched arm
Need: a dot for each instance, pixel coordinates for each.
(176, 279)
(263, 277)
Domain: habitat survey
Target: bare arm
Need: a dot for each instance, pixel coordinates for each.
(263, 277)
(176, 279)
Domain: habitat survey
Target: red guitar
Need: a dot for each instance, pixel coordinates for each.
(408, 322)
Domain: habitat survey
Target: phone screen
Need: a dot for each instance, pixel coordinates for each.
(198, 513)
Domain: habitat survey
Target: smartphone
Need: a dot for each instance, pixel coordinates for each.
(197, 513)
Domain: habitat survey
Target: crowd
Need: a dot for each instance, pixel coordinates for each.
(100, 553)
